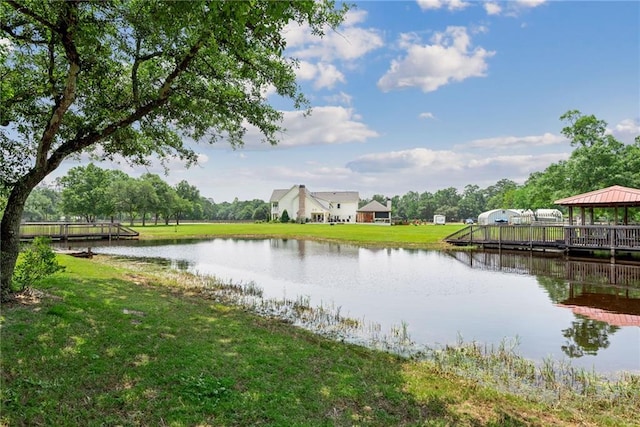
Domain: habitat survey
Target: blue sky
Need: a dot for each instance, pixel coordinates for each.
(424, 95)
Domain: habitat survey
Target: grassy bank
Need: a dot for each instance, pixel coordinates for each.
(415, 236)
(112, 342)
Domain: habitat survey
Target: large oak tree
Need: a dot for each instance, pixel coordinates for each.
(134, 78)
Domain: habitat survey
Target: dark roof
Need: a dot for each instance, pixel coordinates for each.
(374, 206)
(610, 196)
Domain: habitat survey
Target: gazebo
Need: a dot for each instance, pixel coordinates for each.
(374, 212)
(611, 197)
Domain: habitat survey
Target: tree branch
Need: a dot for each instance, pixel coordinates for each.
(30, 13)
(67, 30)
(10, 30)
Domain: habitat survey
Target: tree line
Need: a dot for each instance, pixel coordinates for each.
(90, 193)
(599, 160)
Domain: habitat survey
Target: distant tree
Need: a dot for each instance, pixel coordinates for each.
(426, 206)
(472, 202)
(598, 161)
(42, 204)
(285, 216)
(163, 192)
(261, 213)
(85, 192)
(180, 208)
(146, 198)
(408, 205)
(191, 194)
(208, 208)
(500, 195)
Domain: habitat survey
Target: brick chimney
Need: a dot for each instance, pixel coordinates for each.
(302, 198)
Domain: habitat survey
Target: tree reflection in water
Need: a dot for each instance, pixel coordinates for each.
(603, 296)
(586, 336)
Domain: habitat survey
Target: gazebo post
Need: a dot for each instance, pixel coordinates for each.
(570, 215)
(592, 216)
(626, 215)
(583, 216)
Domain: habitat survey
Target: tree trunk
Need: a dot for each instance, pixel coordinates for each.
(10, 233)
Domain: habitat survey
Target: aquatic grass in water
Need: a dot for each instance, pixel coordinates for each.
(496, 366)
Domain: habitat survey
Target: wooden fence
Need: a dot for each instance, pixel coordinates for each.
(79, 231)
(564, 237)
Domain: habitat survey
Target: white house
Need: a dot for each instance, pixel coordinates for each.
(303, 205)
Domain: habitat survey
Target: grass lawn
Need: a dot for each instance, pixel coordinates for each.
(117, 342)
(415, 236)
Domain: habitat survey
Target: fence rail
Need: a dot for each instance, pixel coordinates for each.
(564, 237)
(73, 230)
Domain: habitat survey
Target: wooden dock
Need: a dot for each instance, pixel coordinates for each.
(566, 238)
(76, 231)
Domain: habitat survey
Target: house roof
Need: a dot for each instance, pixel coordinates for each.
(610, 196)
(322, 197)
(278, 194)
(374, 206)
(337, 196)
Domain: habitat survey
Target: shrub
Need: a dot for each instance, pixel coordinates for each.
(37, 261)
(285, 217)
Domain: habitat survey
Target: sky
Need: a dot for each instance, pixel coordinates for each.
(429, 94)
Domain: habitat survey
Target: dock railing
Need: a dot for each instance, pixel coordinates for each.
(592, 237)
(73, 230)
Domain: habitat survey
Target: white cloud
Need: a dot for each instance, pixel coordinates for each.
(626, 130)
(628, 126)
(328, 76)
(509, 142)
(339, 99)
(348, 42)
(515, 8)
(429, 66)
(492, 8)
(325, 125)
(438, 4)
(323, 75)
(529, 3)
(426, 116)
(423, 169)
(416, 158)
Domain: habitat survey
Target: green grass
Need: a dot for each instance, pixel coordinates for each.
(414, 236)
(112, 342)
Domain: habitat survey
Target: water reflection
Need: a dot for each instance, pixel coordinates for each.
(602, 296)
(550, 305)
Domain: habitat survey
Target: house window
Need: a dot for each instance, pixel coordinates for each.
(338, 205)
(274, 205)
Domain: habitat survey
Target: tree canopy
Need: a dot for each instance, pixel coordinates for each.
(135, 79)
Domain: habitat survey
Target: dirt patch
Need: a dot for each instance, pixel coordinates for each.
(30, 297)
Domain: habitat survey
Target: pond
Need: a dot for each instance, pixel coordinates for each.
(584, 312)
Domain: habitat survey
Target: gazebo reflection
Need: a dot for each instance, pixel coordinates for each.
(602, 296)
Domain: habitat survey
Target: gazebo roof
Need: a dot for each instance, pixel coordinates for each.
(606, 197)
(374, 206)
